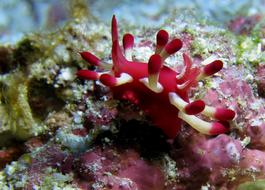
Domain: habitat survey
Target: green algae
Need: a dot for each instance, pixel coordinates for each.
(253, 185)
(56, 180)
(17, 118)
(248, 50)
(14, 177)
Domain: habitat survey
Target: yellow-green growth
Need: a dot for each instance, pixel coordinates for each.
(253, 185)
(15, 111)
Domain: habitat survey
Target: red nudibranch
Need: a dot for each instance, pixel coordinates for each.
(158, 90)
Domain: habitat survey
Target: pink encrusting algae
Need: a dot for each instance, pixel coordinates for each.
(158, 90)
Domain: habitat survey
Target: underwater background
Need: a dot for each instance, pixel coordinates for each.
(62, 126)
(19, 17)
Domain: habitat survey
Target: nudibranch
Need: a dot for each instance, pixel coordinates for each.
(161, 92)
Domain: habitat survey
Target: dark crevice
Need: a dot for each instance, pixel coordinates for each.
(148, 140)
(42, 99)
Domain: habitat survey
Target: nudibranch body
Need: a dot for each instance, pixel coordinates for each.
(158, 90)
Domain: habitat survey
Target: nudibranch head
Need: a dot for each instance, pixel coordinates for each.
(161, 92)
